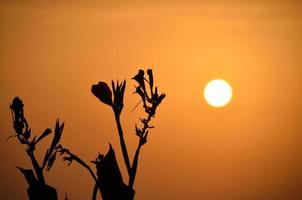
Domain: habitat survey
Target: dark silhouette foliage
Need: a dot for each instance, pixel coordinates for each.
(108, 178)
(38, 189)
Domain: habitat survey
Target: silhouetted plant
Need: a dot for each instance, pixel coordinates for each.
(38, 189)
(108, 178)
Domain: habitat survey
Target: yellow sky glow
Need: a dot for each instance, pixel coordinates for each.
(53, 51)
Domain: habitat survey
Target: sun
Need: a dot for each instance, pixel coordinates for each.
(218, 93)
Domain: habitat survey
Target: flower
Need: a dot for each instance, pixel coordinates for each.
(139, 77)
(118, 93)
(102, 92)
(17, 105)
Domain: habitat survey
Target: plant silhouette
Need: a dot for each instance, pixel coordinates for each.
(38, 189)
(108, 178)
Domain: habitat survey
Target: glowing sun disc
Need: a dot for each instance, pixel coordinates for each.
(218, 93)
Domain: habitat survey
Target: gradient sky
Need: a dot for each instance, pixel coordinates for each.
(51, 53)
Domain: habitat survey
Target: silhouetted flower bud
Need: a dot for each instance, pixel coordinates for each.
(102, 92)
(139, 77)
(150, 74)
(17, 105)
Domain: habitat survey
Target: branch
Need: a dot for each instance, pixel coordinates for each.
(72, 157)
(78, 160)
(37, 168)
(150, 104)
(142, 140)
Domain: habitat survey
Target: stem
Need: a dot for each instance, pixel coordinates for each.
(95, 191)
(136, 157)
(134, 166)
(81, 162)
(122, 142)
(37, 168)
(146, 125)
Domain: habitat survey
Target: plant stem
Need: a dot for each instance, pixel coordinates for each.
(136, 157)
(81, 162)
(37, 168)
(122, 142)
(95, 191)
(134, 166)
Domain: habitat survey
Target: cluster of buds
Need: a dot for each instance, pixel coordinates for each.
(23, 133)
(151, 101)
(34, 176)
(21, 127)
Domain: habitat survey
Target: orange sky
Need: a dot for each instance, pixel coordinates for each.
(52, 52)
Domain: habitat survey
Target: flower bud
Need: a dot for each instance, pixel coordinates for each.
(102, 92)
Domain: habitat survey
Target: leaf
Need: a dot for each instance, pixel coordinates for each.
(123, 86)
(160, 98)
(45, 158)
(51, 161)
(43, 135)
(34, 139)
(140, 92)
(57, 136)
(113, 87)
(150, 74)
(69, 159)
(62, 151)
(143, 139)
(138, 131)
(11, 136)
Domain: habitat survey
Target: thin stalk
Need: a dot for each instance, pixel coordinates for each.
(95, 191)
(37, 168)
(77, 159)
(134, 166)
(122, 142)
(82, 163)
(136, 157)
